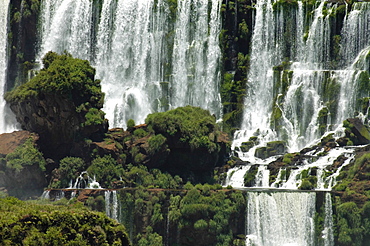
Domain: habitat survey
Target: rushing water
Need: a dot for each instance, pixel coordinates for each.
(3, 57)
(7, 121)
(274, 219)
(316, 80)
(149, 56)
(111, 204)
(315, 83)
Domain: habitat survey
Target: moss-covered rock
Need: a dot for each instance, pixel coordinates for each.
(356, 131)
(61, 103)
(22, 165)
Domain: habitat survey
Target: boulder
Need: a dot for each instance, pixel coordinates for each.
(356, 131)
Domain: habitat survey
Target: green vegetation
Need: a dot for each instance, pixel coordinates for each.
(349, 225)
(69, 169)
(24, 155)
(140, 176)
(25, 223)
(68, 77)
(63, 75)
(105, 170)
(250, 176)
(130, 125)
(192, 126)
(157, 143)
(198, 216)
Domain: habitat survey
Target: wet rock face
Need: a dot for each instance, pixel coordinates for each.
(55, 120)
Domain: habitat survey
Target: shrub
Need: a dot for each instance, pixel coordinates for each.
(25, 223)
(156, 143)
(105, 170)
(25, 155)
(130, 125)
(193, 126)
(69, 168)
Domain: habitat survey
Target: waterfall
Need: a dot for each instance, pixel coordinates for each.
(280, 218)
(328, 222)
(292, 79)
(66, 26)
(149, 55)
(235, 176)
(107, 203)
(111, 204)
(264, 55)
(355, 32)
(7, 119)
(3, 57)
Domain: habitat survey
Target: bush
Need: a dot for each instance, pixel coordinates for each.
(24, 223)
(140, 133)
(156, 143)
(69, 169)
(105, 170)
(130, 125)
(25, 155)
(193, 126)
(62, 75)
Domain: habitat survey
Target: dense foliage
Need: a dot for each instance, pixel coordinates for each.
(25, 223)
(192, 126)
(201, 215)
(63, 75)
(72, 79)
(24, 155)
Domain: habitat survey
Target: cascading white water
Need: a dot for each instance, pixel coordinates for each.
(315, 84)
(312, 74)
(66, 26)
(328, 222)
(4, 5)
(7, 119)
(274, 219)
(355, 32)
(111, 204)
(149, 57)
(264, 55)
(196, 55)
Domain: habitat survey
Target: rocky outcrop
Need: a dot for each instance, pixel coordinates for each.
(55, 119)
(24, 182)
(356, 131)
(62, 105)
(10, 141)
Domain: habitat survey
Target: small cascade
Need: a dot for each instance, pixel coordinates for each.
(59, 195)
(316, 165)
(262, 177)
(280, 218)
(84, 181)
(355, 32)
(111, 204)
(46, 195)
(149, 55)
(235, 176)
(107, 195)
